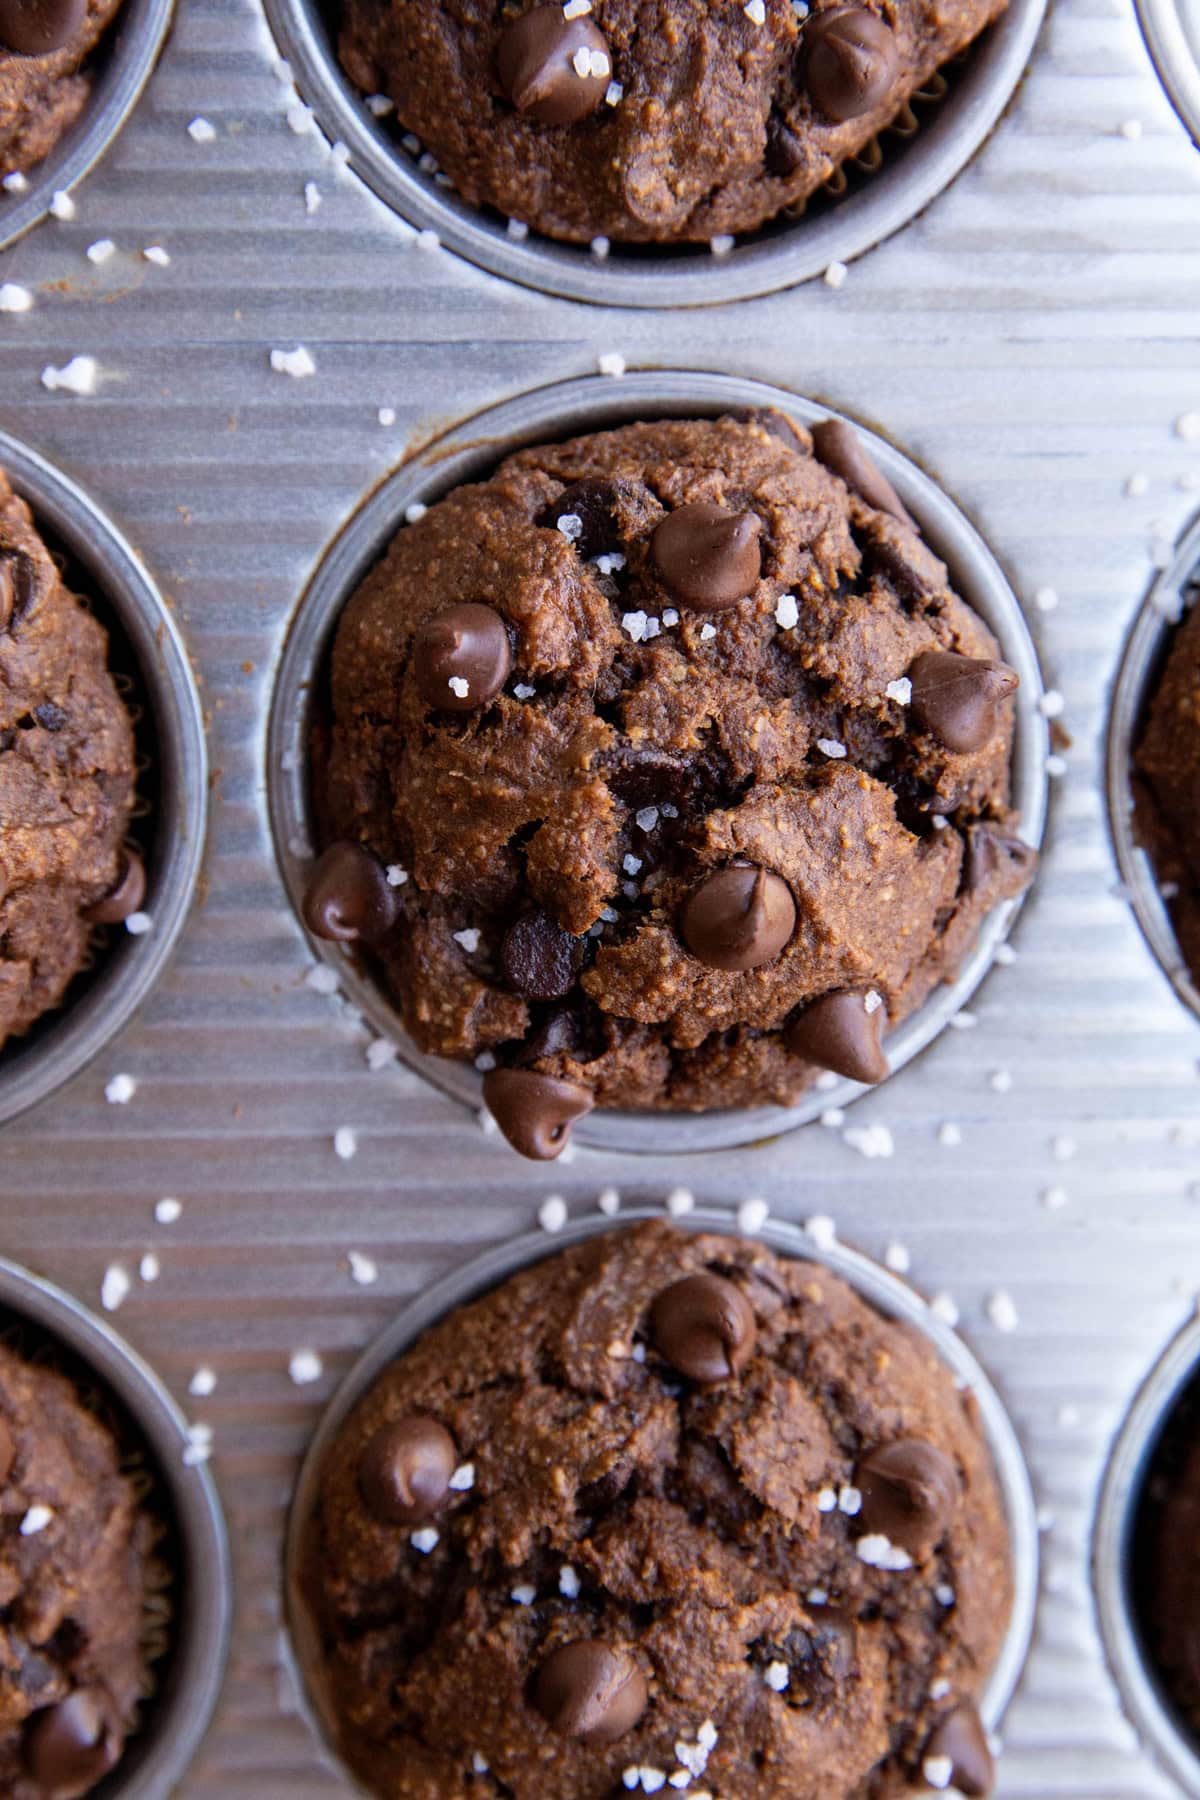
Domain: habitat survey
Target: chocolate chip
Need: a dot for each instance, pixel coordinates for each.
(17, 587)
(961, 1739)
(348, 897)
(593, 503)
(708, 556)
(775, 423)
(990, 854)
(784, 153)
(837, 1032)
(850, 61)
(461, 657)
(35, 27)
(555, 69)
(909, 1492)
(539, 958)
(405, 1468)
(124, 897)
(738, 918)
(705, 1327)
(957, 699)
(70, 1746)
(590, 1691)
(49, 716)
(840, 448)
(8, 1451)
(535, 1112)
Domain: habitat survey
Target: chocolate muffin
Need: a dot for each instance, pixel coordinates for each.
(66, 780)
(45, 80)
(1165, 1581)
(665, 770)
(662, 1511)
(1168, 764)
(649, 120)
(75, 1551)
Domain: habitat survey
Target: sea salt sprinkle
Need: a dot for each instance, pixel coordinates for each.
(120, 1090)
(345, 1143)
(168, 1211)
(36, 1519)
(364, 1271)
(871, 1141)
(611, 363)
(150, 1268)
(609, 1202)
(938, 1771)
(900, 691)
(524, 1595)
(63, 207)
(878, 1552)
(552, 1213)
(203, 1382)
(304, 1367)
(832, 748)
(463, 1478)
(101, 250)
(468, 938)
(198, 1448)
(425, 1540)
(114, 1288)
(752, 1215)
(296, 363)
(787, 612)
(897, 1258)
(568, 1582)
(1002, 1310)
(680, 1201)
(14, 299)
(201, 132)
(822, 1230)
(79, 376)
(835, 275)
(777, 1676)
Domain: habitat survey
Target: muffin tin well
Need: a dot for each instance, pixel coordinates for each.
(882, 1290)
(1172, 32)
(169, 738)
(910, 174)
(175, 1718)
(472, 450)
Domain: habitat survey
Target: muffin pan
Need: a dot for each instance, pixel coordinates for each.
(879, 200)
(1172, 31)
(1030, 341)
(470, 453)
(147, 651)
(174, 1718)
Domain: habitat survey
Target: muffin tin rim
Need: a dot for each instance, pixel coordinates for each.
(791, 255)
(488, 1268)
(81, 1027)
(177, 1717)
(1140, 664)
(132, 45)
(594, 403)
(1176, 57)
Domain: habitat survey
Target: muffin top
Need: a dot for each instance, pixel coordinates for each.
(663, 736)
(1168, 761)
(44, 85)
(650, 120)
(66, 779)
(75, 1546)
(662, 1503)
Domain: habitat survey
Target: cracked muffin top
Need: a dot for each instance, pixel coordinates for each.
(45, 80)
(664, 770)
(66, 780)
(650, 120)
(664, 1511)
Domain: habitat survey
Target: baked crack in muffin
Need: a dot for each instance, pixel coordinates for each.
(75, 1549)
(1168, 763)
(66, 780)
(665, 770)
(45, 82)
(664, 1511)
(649, 120)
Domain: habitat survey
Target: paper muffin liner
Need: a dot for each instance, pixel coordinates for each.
(468, 453)
(148, 658)
(1141, 667)
(1143, 1695)
(956, 122)
(189, 1599)
(120, 66)
(885, 1292)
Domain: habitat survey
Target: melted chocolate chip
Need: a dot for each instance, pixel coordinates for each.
(708, 556)
(8, 1451)
(535, 1112)
(590, 1691)
(991, 853)
(840, 448)
(850, 61)
(784, 153)
(539, 958)
(557, 70)
(35, 27)
(837, 1032)
(909, 1492)
(348, 897)
(124, 897)
(705, 1327)
(17, 588)
(49, 716)
(738, 918)
(70, 1746)
(594, 504)
(957, 698)
(961, 1739)
(461, 657)
(404, 1470)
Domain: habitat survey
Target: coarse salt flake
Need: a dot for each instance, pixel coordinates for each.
(120, 1090)
(647, 818)
(571, 526)
(827, 1500)
(138, 924)
(305, 1366)
(115, 1287)
(518, 230)
(296, 363)
(707, 631)
(652, 1779)
(631, 864)
(150, 1268)
(938, 1771)
(944, 1307)
(75, 377)
(900, 691)
(870, 1141)
(14, 299)
(822, 1230)
(345, 1143)
(568, 1582)
(833, 1118)
(897, 1258)
(752, 1215)
(523, 690)
(203, 1382)
(755, 11)
(201, 132)
(1000, 1081)
(364, 1270)
(35, 1520)
(614, 93)
(1046, 599)
(680, 1201)
(552, 1213)
(101, 250)
(611, 363)
(425, 1540)
(722, 244)
(609, 1201)
(459, 685)
(168, 1211)
(15, 183)
(600, 246)
(850, 1502)
(777, 1675)
(1051, 704)
(831, 747)
(1054, 1198)
(1187, 427)
(1002, 1310)
(949, 1135)
(577, 9)
(1130, 130)
(879, 1552)
(872, 1001)
(322, 979)
(787, 612)
(524, 1595)
(1136, 486)
(634, 624)
(386, 416)
(835, 275)
(463, 1478)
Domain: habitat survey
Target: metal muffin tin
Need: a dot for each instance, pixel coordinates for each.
(883, 1291)
(98, 1005)
(121, 65)
(1141, 667)
(1172, 30)
(1030, 339)
(470, 453)
(777, 256)
(176, 1717)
